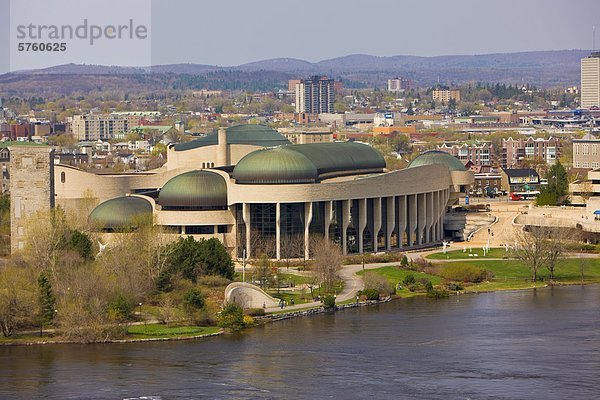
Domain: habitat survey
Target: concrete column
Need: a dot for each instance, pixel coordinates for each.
(222, 148)
(362, 222)
(183, 229)
(328, 217)
(429, 217)
(308, 214)
(391, 221)
(278, 231)
(412, 219)
(436, 213)
(376, 221)
(441, 213)
(246, 216)
(421, 215)
(402, 220)
(344, 223)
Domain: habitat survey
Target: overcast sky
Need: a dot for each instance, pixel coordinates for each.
(232, 32)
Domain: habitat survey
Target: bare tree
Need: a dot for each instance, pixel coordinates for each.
(555, 247)
(17, 299)
(531, 250)
(328, 259)
(263, 272)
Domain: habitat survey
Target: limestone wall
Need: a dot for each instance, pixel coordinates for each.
(30, 188)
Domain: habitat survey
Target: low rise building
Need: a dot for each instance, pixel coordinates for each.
(477, 153)
(523, 182)
(516, 151)
(586, 152)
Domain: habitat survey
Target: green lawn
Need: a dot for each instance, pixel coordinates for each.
(162, 331)
(298, 297)
(459, 254)
(513, 274)
(297, 279)
(508, 274)
(396, 275)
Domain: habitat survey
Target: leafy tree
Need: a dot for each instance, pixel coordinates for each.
(193, 300)
(193, 258)
(557, 190)
(47, 301)
(81, 243)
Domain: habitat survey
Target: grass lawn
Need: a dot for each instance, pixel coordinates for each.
(162, 331)
(297, 279)
(513, 274)
(459, 254)
(396, 275)
(508, 274)
(298, 297)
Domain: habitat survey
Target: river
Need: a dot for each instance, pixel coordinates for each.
(542, 344)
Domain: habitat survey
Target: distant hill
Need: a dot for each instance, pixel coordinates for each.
(540, 68)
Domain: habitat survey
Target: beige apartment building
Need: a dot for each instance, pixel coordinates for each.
(107, 126)
(586, 152)
(307, 135)
(590, 80)
(445, 95)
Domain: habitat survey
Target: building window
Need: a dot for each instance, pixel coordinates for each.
(63, 177)
(200, 230)
(222, 229)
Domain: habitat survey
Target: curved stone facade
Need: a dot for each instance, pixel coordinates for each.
(362, 210)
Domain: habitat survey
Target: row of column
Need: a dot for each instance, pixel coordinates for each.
(420, 217)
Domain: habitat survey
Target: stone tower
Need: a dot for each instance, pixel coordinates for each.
(31, 187)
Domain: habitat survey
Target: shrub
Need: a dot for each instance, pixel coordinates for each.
(409, 280)
(428, 285)
(464, 273)
(248, 320)
(328, 301)
(120, 309)
(231, 317)
(255, 312)
(420, 264)
(404, 261)
(438, 293)
(455, 286)
(214, 280)
(371, 294)
(379, 283)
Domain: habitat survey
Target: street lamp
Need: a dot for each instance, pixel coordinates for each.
(356, 299)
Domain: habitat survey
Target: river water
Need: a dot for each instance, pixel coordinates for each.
(542, 344)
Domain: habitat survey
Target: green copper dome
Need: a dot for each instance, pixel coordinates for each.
(278, 165)
(438, 157)
(194, 190)
(120, 212)
(306, 163)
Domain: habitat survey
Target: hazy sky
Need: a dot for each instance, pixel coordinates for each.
(232, 32)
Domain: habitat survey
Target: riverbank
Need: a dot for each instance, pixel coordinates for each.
(137, 333)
